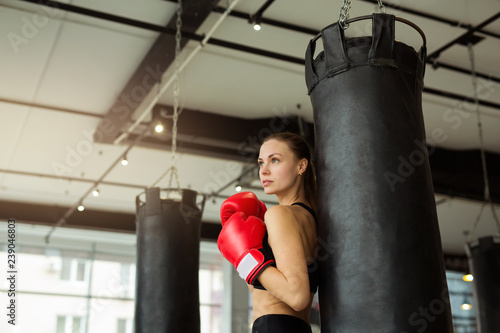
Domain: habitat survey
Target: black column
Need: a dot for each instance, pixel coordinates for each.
(382, 267)
(484, 259)
(168, 243)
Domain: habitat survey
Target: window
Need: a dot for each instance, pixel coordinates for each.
(73, 269)
(70, 324)
(128, 279)
(211, 283)
(124, 325)
(85, 281)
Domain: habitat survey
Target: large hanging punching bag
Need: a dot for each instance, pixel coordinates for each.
(383, 269)
(168, 243)
(484, 259)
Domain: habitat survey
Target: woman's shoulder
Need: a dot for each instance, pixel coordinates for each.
(281, 214)
(281, 223)
(278, 211)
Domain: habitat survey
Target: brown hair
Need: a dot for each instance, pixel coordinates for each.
(301, 149)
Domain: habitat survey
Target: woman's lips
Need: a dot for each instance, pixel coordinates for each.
(266, 182)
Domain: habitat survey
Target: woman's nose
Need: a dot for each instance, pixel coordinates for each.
(264, 170)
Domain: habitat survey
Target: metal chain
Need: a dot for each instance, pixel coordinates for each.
(487, 197)
(381, 6)
(344, 14)
(177, 90)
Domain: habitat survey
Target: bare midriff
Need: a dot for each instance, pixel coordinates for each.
(264, 303)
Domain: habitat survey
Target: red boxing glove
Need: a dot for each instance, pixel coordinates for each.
(240, 242)
(245, 202)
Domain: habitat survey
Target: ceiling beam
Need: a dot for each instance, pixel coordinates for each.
(459, 174)
(433, 17)
(435, 54)
(257, 16)
(226, 137)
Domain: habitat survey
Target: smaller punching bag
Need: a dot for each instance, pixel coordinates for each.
(168, 245)
(484, 260)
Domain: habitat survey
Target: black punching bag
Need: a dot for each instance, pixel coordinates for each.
(168, 243)
(382, 270)
(484, 260)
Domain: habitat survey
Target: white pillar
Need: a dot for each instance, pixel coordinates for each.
(235, 303)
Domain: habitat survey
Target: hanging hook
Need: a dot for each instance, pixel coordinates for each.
(344, 14)
(381, 6)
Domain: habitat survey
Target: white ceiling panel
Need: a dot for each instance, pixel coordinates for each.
(454, 125)
(241, 89)
(42, 190)
(457, 220)
(61, 144)
(269, 38)
(89, 74)
(25, 52)
(155, 12)
(13, 118)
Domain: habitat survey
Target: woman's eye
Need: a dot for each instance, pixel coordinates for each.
(261, 164)
(275, 160)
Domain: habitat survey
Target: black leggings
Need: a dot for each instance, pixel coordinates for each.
(277, 323)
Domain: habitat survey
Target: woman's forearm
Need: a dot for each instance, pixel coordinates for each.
(292, 290)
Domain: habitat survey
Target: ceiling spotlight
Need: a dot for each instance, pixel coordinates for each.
(81, 208)
(95, 193)
(159, 128)
(124, 161)
(466, 306)
(256, 20)
(468, 277)
(237, 188)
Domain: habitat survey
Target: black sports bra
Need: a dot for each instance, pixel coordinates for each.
(312, 269)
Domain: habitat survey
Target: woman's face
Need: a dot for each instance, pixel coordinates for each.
(279, 167)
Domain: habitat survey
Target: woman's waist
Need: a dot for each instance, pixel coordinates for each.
(266, 304)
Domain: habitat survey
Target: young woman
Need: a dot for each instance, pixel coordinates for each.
(274, 250)
(286, 170)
